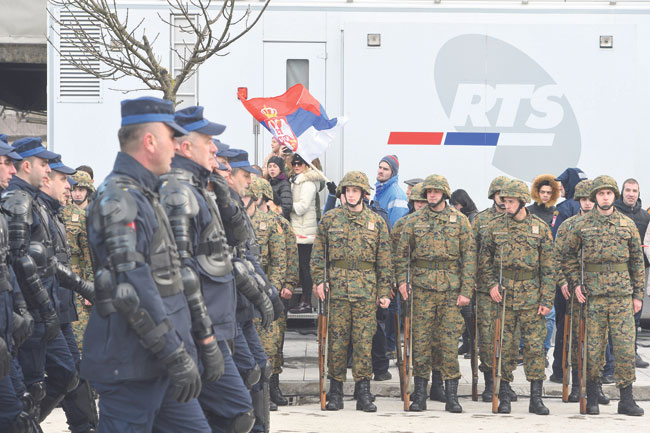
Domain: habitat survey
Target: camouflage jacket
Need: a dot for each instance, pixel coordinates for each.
(559, 245)
(523, 246)
(354, 240)
(292, 278)
(395, 234)
(611, 239)
(270, 237)
(74, 219)
(444, 237)
(479, 225)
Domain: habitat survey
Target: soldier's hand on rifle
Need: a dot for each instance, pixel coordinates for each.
(565, 291)
(462, 301)
(404, 291)
(285, 293)
(579, 295)
(543, 310)
(384, 302)
(495, 294)
(638, 304)
(320, 290)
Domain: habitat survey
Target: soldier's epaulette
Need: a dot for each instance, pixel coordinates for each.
(625, 221)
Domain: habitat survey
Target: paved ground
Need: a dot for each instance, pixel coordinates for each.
(300, 383)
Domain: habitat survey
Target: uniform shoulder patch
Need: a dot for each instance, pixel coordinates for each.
(75, 217)
(371, 226)
(263, 225)
(452, 218)
(535, 229)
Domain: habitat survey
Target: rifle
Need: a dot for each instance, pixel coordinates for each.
(398, 347)
(408, 341)
(323, 319)
(498, 339)
(566, 352)
(582, 341)
(474, 348)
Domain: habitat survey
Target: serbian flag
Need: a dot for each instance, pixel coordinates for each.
(297, 120)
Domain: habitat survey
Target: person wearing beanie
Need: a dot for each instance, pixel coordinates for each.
(281, 188)
(388, 194)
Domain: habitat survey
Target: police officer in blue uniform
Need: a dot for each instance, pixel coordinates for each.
(211, 220)
(139, 353)
(78, 404)
(13, 417)
(34, 264)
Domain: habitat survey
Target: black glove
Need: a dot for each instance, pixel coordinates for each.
(221, 189)
(212, 359)
(5, 358)
(331, 187)
(23, 325)
(184, 376)
(52, 326)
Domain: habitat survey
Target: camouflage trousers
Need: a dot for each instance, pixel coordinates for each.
(351, 322)
(437, 323)
(533, 332)
(616, 316)
(272, 340)
(79, 327)
(486, 315)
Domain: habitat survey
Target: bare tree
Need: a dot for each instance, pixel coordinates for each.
(124, 49)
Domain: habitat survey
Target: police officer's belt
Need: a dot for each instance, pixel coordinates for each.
(353, 265)
(518, 275)
(438, 265)
(606, 267)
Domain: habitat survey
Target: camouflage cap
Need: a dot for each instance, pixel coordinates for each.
(264, 187)
(418, 193)
(583, 189)
(84, 180)
(254, 190)
(436, 181)
(603, 182)
(496, 185)
(354, 178)
(515, 188)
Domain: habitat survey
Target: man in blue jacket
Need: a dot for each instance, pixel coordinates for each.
(569, 207)
(388, 194)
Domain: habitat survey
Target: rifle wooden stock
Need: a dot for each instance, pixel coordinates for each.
(498, 340)
(582, 359)
(407, 372)
(322, 349)
(474, 348)
(566, 353)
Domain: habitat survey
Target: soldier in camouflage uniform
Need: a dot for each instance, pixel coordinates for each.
(290, 280)
(485, 306)
(581, 195)
(437, 241)
(74, 218)
(614, 280)
(519, 245)
(353, 242)
(271, 239)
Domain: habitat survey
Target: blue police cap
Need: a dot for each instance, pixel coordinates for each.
(57, 165)
(223, 149)
(191, 118)
(240, 160)
(32, 146)
(7, 150)
(149, 109)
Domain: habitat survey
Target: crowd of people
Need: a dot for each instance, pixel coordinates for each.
(164, 290)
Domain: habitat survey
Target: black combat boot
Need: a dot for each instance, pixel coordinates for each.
(272, 406)
(627, 405)
(276, 392)
(574, 395)
(602, 398)
(504, 397)
(536, 404)
(335, 396)
(451, 394)
(592, 398)
(489, 387)
(419, 396)
(356, 392)
(364, 400)
(513, 394)
(437, 392)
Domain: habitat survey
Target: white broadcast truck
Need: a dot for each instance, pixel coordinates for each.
(467, 89)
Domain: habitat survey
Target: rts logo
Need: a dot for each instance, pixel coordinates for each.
(494, 94)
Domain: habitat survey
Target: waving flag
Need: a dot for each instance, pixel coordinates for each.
(297, 120)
